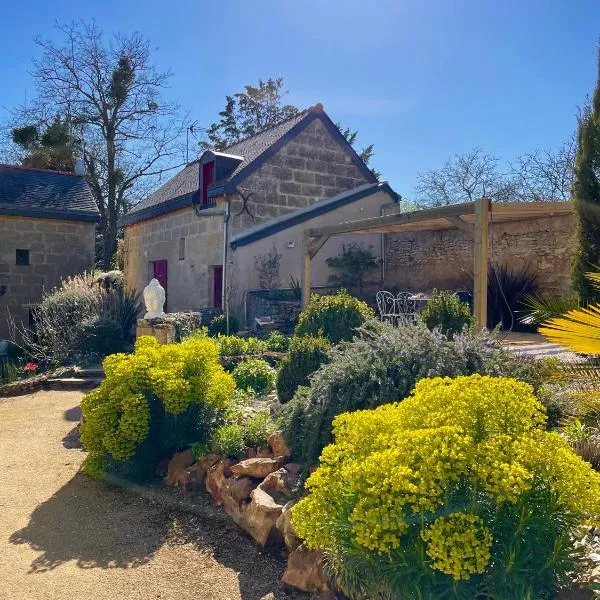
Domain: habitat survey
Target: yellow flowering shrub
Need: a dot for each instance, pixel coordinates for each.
(459, 545)
(145, 389)
(453, 482)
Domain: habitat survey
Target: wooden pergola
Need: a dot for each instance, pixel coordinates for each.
(472, 217)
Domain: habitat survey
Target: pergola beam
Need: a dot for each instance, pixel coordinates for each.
(460, 223)
(390, 221)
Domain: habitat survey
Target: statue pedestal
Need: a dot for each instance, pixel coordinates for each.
(161, 329)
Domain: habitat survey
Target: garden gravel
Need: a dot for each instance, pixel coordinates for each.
(64, 536)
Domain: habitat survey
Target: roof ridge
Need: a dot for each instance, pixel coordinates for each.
(22, 168)
(318, 106)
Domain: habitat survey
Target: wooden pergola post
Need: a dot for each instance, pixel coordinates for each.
(480, 255)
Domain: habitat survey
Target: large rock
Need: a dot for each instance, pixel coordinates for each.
(207, 461)
(257, 467)
(286, 529)
(240, 488)
(190, 479)
(179, 462)
(280, 482)
(278, 445)
(305, 570)
(216, 480)
(261, 515)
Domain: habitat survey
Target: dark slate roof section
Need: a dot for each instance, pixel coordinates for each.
(26, 192)
(185, 183)
(310, 212)
(255, 150)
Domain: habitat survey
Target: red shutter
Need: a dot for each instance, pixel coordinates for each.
(159, 270)
(208, 178)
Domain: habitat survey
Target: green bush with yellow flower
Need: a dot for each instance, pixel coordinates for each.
(458, 491)
(153, 402)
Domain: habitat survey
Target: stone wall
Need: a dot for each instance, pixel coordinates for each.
(311, 167)
(57, 249)
(189, 279)
(421, 261)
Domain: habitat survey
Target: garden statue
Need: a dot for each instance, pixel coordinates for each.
(154, 299)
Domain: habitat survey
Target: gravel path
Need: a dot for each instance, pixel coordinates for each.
(63, 536)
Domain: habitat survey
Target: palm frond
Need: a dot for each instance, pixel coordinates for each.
(594, 278)
(578, 330)
(541, 307)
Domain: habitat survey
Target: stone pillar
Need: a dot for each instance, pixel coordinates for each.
(161, 329)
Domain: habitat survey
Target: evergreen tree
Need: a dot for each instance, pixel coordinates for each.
(48, 146)
(586, 195)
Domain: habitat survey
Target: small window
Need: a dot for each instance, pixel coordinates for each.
(182, 248)
(22, 257)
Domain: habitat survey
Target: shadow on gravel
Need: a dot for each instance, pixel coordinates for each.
(101, 526)
(72, 414)
(95, 525)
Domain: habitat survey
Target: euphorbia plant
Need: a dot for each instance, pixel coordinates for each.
(458, 491)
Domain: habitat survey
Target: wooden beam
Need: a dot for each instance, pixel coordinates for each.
(416, 216)
(306, 270)
(461, 223)
(540, 209)
(481, 256)
(316, 244)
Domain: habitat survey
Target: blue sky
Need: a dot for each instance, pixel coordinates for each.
(421, 80)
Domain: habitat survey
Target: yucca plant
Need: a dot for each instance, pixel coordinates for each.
(507, 288)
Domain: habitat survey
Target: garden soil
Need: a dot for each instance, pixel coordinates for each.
(66, 537)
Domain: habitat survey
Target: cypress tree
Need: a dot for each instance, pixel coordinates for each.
(586, 197)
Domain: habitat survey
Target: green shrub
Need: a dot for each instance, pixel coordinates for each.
(228, 440)
(254, 374)
(277, 342)
(160, 399)
(235, 439)
(257, 429)
(383, 364)
(446, 312)
(218, 325)
(233, 345)
(456, 492)
(305, 356)
(335, 317)
(82, 320)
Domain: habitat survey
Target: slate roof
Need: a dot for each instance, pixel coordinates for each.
(30, 192)
(310, 212)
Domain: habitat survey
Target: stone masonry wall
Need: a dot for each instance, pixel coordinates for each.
(57, 249)
(189, 279)
(421, 261)
(311, 167)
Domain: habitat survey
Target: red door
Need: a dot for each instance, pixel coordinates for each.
(159, 271)
(218, 286)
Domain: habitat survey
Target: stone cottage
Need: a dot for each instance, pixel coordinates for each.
(254, 198)
(47, 232)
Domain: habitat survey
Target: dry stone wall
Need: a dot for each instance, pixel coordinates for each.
(422, 261)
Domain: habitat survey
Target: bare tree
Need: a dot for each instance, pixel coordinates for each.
(545, 175)
(462, 178)
(110, 92)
